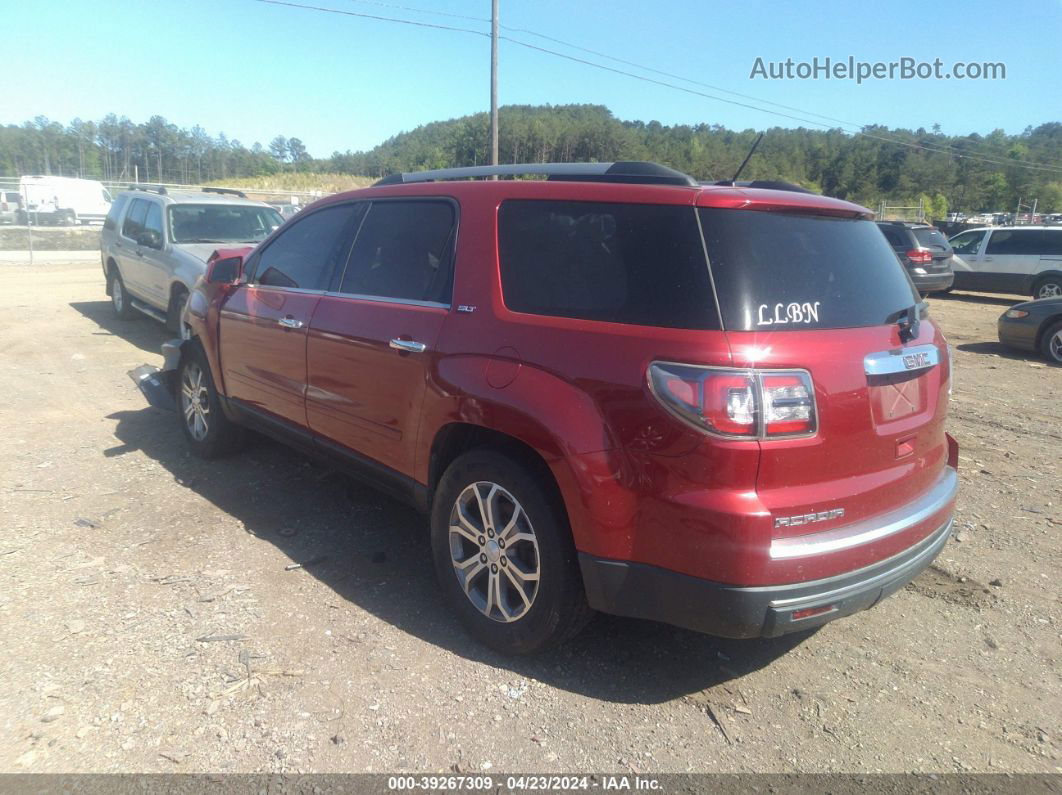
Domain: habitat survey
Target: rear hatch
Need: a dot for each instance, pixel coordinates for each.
(827, 295)
(933, 239)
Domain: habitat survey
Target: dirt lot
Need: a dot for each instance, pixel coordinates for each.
(149, 623)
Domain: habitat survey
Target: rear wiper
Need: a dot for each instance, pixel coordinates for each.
(908, 319)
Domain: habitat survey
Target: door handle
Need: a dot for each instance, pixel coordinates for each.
(290, 322)
(986, 259)
(409, 346)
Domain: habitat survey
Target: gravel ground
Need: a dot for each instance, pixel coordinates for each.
(149, 622)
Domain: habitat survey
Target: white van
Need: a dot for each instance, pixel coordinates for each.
(64, 200)
(1026, 260)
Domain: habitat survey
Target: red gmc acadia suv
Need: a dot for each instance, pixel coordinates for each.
(612, 388)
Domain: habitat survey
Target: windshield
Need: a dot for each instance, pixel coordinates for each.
(783, 271)
(221, 223)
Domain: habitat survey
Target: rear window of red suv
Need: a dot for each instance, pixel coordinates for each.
(783, 271)
(622, 263)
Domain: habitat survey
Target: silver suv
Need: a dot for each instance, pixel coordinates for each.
(155, 244)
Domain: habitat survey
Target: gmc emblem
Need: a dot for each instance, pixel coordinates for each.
(915, 361)
(808, 518)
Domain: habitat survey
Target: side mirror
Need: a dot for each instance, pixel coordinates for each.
(226, 270)
(150, 238)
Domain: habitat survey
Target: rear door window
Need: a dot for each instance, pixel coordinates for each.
(783, 271)
(303, 255)
(621, 263)
(403, 251)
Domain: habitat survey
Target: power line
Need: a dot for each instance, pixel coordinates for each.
(898, 142)
(851, 124)
(859, 131)
(376, 17)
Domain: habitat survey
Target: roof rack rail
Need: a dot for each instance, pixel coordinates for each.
(629, 171)
(159, 189)
(227, 191)
(762, 184)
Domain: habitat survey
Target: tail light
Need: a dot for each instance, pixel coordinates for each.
(788, 409)
(738, 404)
(920, 256)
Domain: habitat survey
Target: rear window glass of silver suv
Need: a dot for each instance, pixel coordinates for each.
(930, 237)
(783, 271)
(622, 263)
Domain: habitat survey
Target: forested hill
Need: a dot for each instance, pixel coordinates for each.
(860, 168)
(956, 171)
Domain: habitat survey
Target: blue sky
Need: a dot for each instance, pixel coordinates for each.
(253, 70)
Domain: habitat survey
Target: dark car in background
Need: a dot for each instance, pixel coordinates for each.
(1034, 326)
(924, 252)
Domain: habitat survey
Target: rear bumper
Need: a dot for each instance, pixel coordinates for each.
(932, 282)
(639, 590)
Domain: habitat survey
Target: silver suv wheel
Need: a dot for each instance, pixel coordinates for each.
(494, 551)
(117, 295)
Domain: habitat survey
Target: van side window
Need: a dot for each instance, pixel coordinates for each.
(1052, 243)
(1015, 241)
(403, 252)
(134, 220)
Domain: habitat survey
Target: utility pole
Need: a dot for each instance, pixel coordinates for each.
(494, 83)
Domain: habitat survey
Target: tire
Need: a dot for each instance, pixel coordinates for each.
(1051, 344)
(208, 431)
(69, 218)
(119, 297)
(1048, 287)
(178, 299)
(520, 590)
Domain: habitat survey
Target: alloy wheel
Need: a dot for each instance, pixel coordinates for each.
(117, 297)
(1054, 347)
(494, 551)
(195, 401)
(1049, 290)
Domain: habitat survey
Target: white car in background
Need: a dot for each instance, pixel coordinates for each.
(1025, 260)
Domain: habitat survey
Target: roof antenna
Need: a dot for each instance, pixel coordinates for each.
(745, 162)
